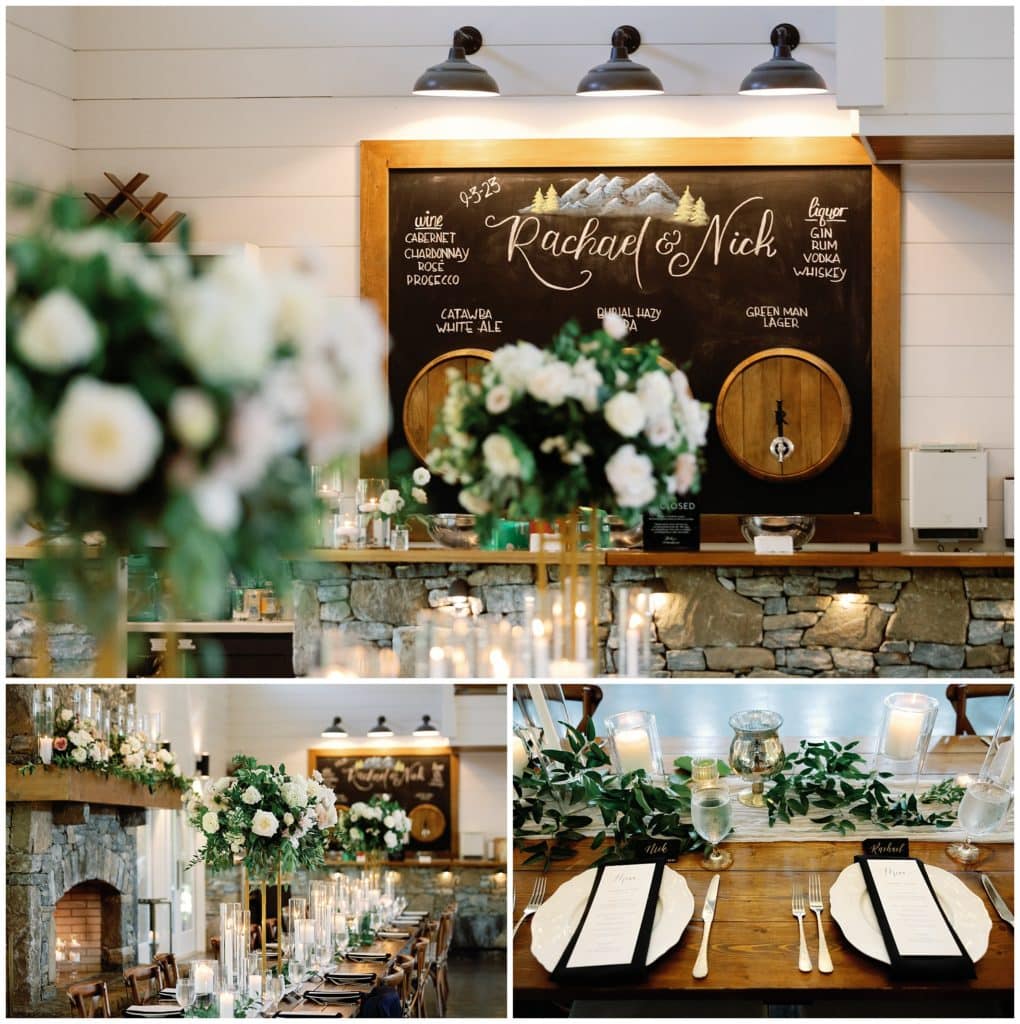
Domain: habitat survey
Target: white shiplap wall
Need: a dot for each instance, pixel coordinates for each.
(252, 124)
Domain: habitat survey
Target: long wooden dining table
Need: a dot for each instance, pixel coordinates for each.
(754, 940)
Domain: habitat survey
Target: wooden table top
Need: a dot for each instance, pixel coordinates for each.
(754, 939)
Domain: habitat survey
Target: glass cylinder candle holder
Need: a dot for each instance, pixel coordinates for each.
(43, 710)
(373, 526)
(206, 975)
(633, 631)
(400, 538)
(345, 525)
(634, 743)
(998, 764)
(907, 723)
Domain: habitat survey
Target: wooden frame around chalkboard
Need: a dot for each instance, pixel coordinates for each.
(380, 751)
(379, 157)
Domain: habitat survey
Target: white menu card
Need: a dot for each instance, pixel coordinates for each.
(918, 927)
(610, 931)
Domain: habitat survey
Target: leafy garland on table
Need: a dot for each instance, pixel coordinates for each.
(632, 807)
(550, 795)
(79, 744)
(263, 818)
(825, 776)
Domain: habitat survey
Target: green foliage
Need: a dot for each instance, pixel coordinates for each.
(569, 790)
(947, 792)
(831, 778)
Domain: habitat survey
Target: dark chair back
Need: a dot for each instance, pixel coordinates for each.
(143, 983)
(89, 999)
(959, 693)
(167, 963)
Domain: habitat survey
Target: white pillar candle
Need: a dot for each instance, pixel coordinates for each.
(551, 738)
(520, 754)
(581, 630)
(569, 668)
(227, 1005)
(902, 734)
(46, 749)
(203, 980)
(346, 534)
(632, 646)
(633, 750)
(437, 663)
(539, 652)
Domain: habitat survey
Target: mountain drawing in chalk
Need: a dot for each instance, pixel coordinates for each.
(602, 196)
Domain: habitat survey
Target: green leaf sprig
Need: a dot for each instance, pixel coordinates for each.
(831, 777)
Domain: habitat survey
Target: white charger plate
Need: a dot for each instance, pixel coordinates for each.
(557, 919)
(851, 909)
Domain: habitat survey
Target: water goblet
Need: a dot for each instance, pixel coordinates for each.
(185, 992)
(982, 809)
(274, 993)
(712, 814)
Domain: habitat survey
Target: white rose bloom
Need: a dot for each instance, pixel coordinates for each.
(300, 307)
(164, 756)
(176, 771)
(264, 824)
(57, 333)
(656, 393)
(390, 502)
(210, 822)
(96, 752)
(20, 497)
(499, 456)
(474, 503)
(317, 775)
(421, 476)
(251, 795)
(134, 760)
(356, 834)
(695, 419)
(498, 399)
(625, 414)
(631, 476)
(684, 474)
(105, 437)
(390, 839)
(66, 715)
(681, 386)
(79, 755)
(551, 383)
(661, 431)
(514, 364)
(615, 326)
(294, 793)
(419, 495)
(389, 821)
(225, 322)
(326, 817)
(217, 502)
(288, 818)
(193, 417)
(585, 383)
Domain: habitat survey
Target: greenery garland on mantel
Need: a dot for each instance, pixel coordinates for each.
(565, 790)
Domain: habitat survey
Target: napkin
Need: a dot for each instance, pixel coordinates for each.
(335, 995)
(958, 965)
(368, 958)
(168, 993)
(311, 1010)
(346, 978)
(392, 935)
(625, 907)
(153, 1010)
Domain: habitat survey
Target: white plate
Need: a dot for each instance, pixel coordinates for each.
(557, 919)
(851, 909)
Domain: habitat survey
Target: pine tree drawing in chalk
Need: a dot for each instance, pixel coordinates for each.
(699, 218)
(685, 208)
(552, 200)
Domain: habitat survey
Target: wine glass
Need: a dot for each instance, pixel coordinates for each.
(712, 815)
(274, 993)
(982, 809)
(185, 992)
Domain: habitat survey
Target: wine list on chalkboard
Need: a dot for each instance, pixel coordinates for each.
(717, 263)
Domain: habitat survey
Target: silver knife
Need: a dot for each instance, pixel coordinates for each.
(997, 901)
(707, 914)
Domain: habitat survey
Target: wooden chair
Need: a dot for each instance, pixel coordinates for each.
(588, 695)
(168, 968)
(89, 999)
(143, 983)
(959, 693)
(420, 952)
(214, 945)
(438, 971)
(406, 964)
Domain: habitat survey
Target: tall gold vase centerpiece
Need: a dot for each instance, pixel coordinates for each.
(266, 821)
(155, 405)
(588, 422)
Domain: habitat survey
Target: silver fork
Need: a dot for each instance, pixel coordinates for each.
(537, 896)
(804, 963)
(817, 905)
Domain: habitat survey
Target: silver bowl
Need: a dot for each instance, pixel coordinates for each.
(800, 528)
(453, 529)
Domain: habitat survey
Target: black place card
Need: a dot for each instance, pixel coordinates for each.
(674, 526)
(886, 847)
(655, 849)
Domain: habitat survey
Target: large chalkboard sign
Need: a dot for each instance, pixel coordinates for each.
(794, 244)
(424, 783)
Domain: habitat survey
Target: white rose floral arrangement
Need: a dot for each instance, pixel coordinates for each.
(79, 743)
(150, 396)
(408, 499)
(376, 825)
(264, 818)
(587, 421)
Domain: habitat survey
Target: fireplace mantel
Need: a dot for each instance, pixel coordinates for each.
(49, 784)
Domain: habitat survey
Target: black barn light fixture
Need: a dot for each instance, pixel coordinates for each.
(457, 76)
(621, 76)
(781, 75)
(335, 731)
(380, 729)
(426, 728)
